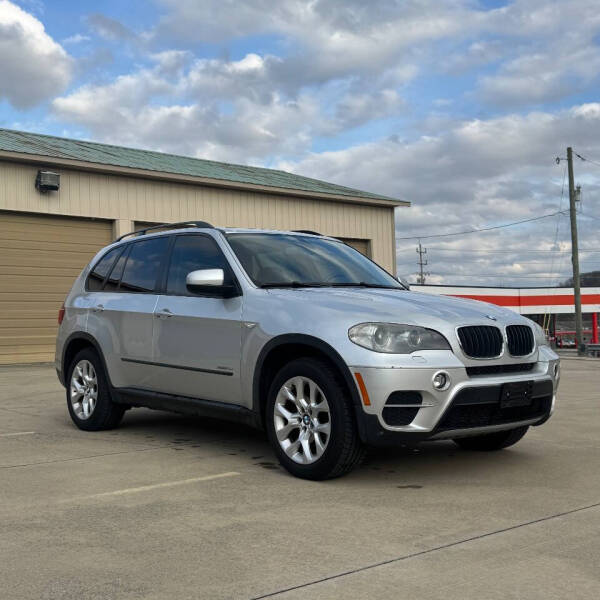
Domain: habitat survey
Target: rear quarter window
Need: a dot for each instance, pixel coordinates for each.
(112, 282)
(98, 274)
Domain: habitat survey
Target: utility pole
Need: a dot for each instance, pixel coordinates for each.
(575, 252)
(422, 263)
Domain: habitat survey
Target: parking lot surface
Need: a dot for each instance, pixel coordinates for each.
(168, 506)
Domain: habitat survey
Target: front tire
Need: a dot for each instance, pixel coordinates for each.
(310, 421)
(88, 394)
(492, 441)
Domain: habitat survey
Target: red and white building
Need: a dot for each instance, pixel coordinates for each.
(549, 307)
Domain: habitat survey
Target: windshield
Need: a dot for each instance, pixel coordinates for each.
(288, 260)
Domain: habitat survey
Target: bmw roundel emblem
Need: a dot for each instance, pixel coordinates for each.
(492, 317)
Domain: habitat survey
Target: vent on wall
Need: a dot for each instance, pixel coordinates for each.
(47, 181)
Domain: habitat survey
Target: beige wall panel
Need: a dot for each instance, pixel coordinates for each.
(113, 197)
(363, 246)
(40, 256)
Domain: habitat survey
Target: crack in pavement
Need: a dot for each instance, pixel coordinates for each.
(424, 552)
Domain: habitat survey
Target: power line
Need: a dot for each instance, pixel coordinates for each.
(497, 275)
(589, 216)
(586, 159)
(519, 262)
(562, 195)
(517, 251)
(416, 237)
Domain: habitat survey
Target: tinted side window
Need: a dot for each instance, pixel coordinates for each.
(101, 270)
(143, 265)
(190, 253)
(112, 283)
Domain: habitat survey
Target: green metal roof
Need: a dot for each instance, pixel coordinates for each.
(105, 154)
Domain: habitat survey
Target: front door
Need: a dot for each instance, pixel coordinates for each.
(197, 338)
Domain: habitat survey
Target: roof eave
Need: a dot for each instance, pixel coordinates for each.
(191, 179)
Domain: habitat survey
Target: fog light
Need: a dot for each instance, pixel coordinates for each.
(556, 371)
(441, 381)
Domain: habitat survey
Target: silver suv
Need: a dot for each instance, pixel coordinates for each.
(298, 334)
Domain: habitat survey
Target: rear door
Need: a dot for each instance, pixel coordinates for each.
(121, 313)
(197, 338)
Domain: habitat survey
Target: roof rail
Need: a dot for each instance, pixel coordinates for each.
(306, 231)
(203, 224)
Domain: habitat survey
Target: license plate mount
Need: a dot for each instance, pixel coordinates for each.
(516, 393)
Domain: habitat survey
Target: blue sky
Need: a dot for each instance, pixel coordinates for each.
(458, 106)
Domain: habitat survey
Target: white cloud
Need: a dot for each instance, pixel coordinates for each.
(325, 39)
(110, 29)
(78, 38)
(329, 69)
(476, 173)
(123, 112)
(33, 66)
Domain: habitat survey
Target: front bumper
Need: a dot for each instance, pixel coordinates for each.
(469, 406)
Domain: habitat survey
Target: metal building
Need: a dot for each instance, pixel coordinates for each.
(551, 307)
(61, 200)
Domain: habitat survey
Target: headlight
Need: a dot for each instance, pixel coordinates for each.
(397, 339)
(540, 336)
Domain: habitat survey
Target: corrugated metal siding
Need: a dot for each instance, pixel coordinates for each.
(363, 246)
(40, 257)
(118, 197)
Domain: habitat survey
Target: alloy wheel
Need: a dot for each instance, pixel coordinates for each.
(84, 389)
(302, 420)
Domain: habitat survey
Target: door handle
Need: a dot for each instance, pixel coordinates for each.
(165, 312)
(98, 308)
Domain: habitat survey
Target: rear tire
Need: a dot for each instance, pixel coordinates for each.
(88, 394)
(492, 441)
(316, 402)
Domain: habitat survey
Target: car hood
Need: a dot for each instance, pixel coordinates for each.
(399, 306)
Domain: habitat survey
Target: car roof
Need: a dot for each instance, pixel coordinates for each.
(134, 236)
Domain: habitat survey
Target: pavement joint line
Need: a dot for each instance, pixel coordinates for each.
(424, 552)
(18, 412)
(155, 486)
(17, 433)
(61, 460)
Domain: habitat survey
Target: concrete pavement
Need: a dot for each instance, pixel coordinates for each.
(174, 507)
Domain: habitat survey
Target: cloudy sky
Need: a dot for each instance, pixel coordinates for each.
(459, 106)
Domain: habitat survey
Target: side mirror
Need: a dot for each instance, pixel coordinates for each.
(210, 281)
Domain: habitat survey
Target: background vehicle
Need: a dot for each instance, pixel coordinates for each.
(298, 334)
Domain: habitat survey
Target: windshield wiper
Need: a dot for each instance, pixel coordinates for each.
(293, 284)
(367, 285)
(317, 284)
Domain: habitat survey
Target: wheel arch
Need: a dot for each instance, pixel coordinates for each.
(75, 343)
(280, 350)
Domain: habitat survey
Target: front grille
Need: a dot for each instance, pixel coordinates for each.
(396, 415)
(520, 340)
(480, 407)
(499, 369)
(480, 341)
(483, 415)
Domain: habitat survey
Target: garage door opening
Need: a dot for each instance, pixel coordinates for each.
(40, 257)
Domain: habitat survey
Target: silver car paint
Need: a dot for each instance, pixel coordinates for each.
(228, 335)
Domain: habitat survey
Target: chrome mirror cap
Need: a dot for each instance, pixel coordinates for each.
(206, 277)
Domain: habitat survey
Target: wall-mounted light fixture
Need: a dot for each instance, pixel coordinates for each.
(47, 181)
